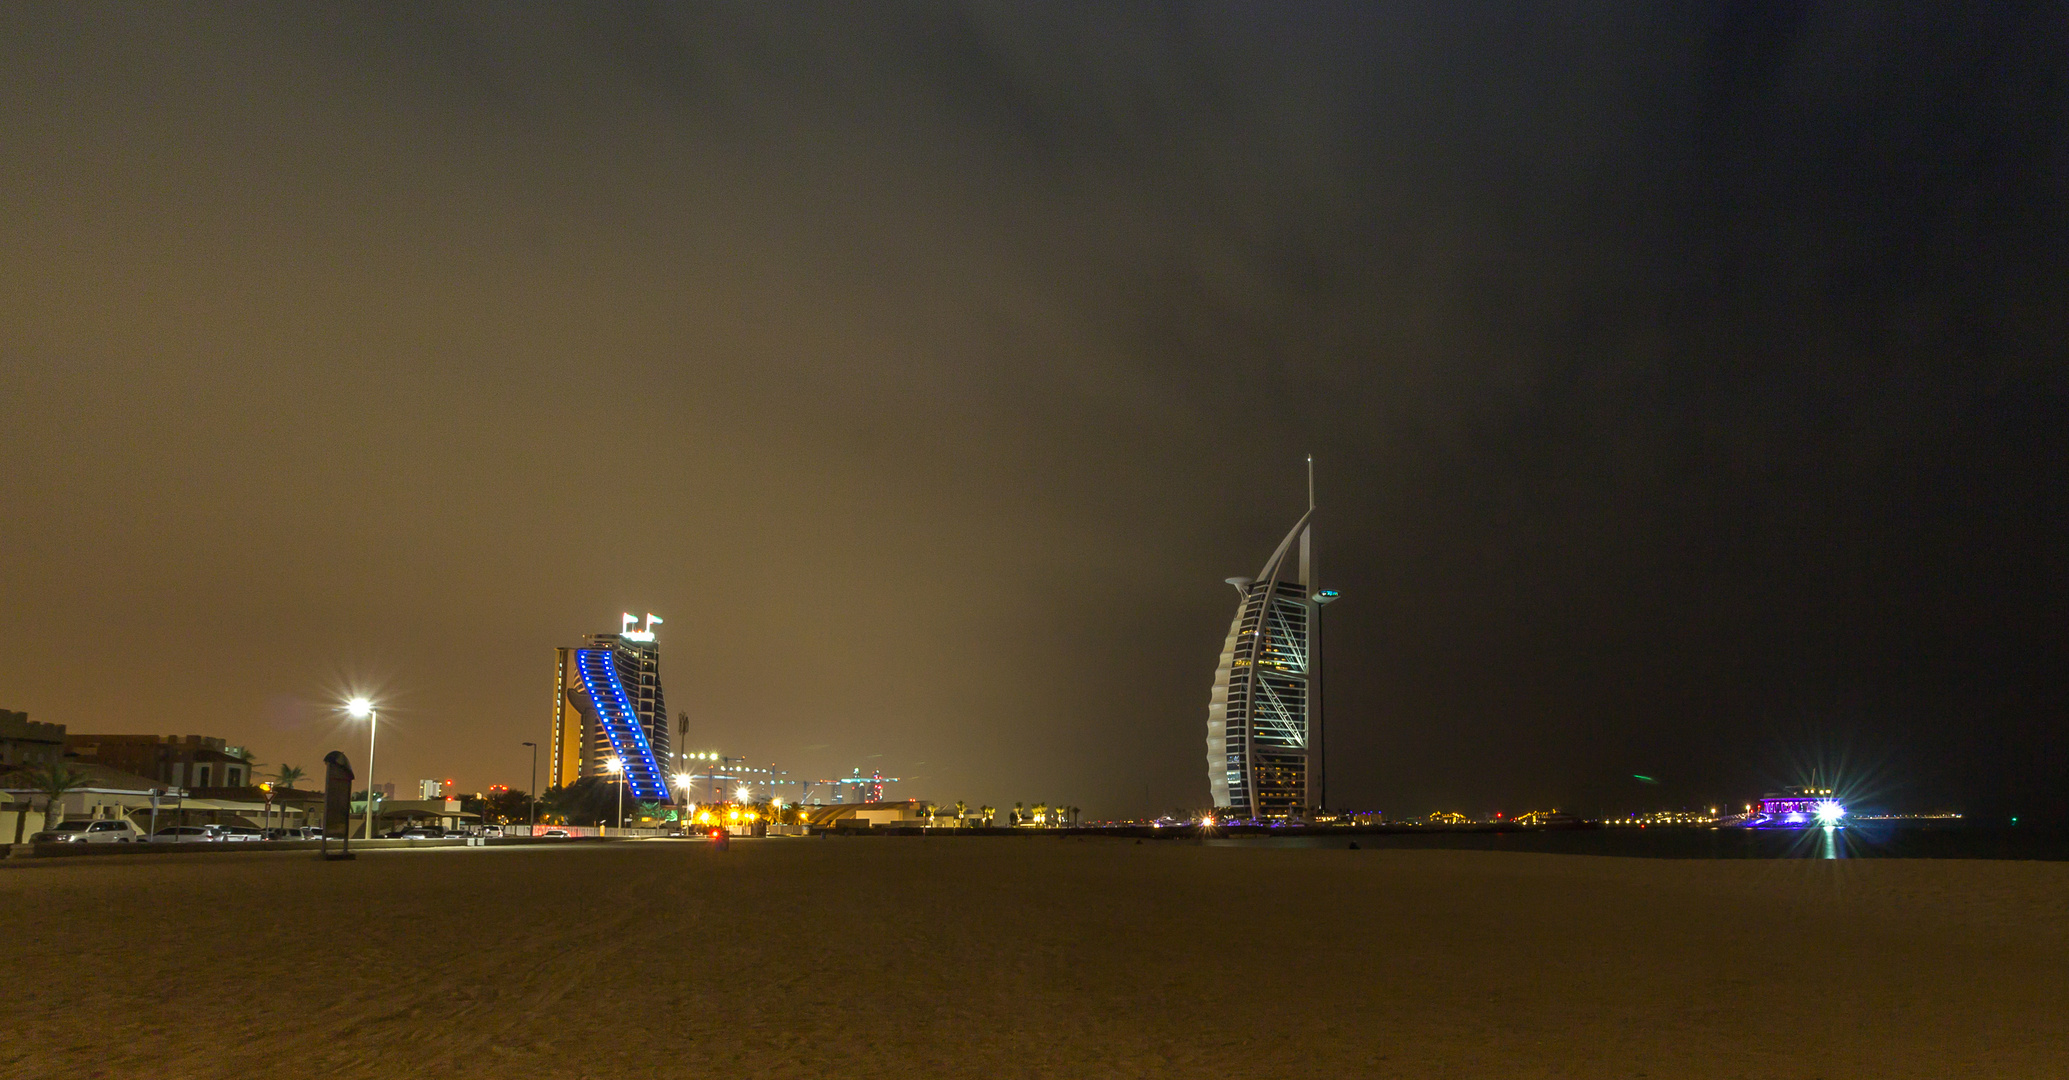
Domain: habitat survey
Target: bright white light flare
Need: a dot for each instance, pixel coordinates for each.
(1830, 812)
(359, 708)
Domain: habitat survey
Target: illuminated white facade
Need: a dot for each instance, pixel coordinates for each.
(1264, 716)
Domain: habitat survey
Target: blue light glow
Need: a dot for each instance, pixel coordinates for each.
(642, 771)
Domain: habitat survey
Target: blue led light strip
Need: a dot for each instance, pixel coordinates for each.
(621, 723)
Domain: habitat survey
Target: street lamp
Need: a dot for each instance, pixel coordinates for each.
(616, 767)
(683, 782)
(361, 709)
(535, 785)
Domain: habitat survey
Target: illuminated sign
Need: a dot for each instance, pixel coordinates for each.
(645, 633)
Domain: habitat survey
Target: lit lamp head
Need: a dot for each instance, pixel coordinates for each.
(614, 766)
(684, 780)
(1829, 812)
(359, 708)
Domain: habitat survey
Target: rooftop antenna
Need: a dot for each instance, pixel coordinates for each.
(1307, 534)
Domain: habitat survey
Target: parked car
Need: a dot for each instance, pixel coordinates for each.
(90, 831)
(419, 832)
(562, 833)
(185, 834)
(492, 831)
(240, 833)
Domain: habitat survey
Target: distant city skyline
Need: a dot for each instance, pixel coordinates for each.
(1687, 381)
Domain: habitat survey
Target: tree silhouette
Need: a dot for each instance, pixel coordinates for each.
(54, 780)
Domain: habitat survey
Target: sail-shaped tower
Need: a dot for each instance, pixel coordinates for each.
(1264, 717)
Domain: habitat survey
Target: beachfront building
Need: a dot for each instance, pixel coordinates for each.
(26, 743)
(109, 792)
(608, 707)
(905, 814)
(1797, 807)
(181, 761)
(1264, 715)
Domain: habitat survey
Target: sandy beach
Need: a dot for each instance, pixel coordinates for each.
(1030, 957)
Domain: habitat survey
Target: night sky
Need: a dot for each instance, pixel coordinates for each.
(1686, 385)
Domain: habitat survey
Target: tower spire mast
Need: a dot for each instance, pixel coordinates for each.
(1317, 794)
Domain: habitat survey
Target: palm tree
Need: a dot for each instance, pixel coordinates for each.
(962, 811)
(54, 780)
(1041, 813)
(285, 778)
(988, 813)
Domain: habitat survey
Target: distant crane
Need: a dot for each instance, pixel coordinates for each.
(868, 789)
(731, 779)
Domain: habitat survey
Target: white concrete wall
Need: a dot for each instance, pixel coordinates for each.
(18, 818)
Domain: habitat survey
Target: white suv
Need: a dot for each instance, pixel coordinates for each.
(90, 831)
(186, 834)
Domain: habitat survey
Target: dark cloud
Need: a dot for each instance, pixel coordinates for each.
(1686, 384)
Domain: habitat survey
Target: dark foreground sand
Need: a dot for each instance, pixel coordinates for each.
(1021, 957)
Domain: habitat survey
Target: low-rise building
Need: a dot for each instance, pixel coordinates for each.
(909, 814)
(403, 813)
(107, 793)
(181, 761)
(26, 743)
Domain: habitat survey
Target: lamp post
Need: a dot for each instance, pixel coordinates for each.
(616, 767)
(683, 781)
(362, 709)
(535, 785)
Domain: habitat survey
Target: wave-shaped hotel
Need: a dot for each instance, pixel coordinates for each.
(1264, 718)
(607, 707)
